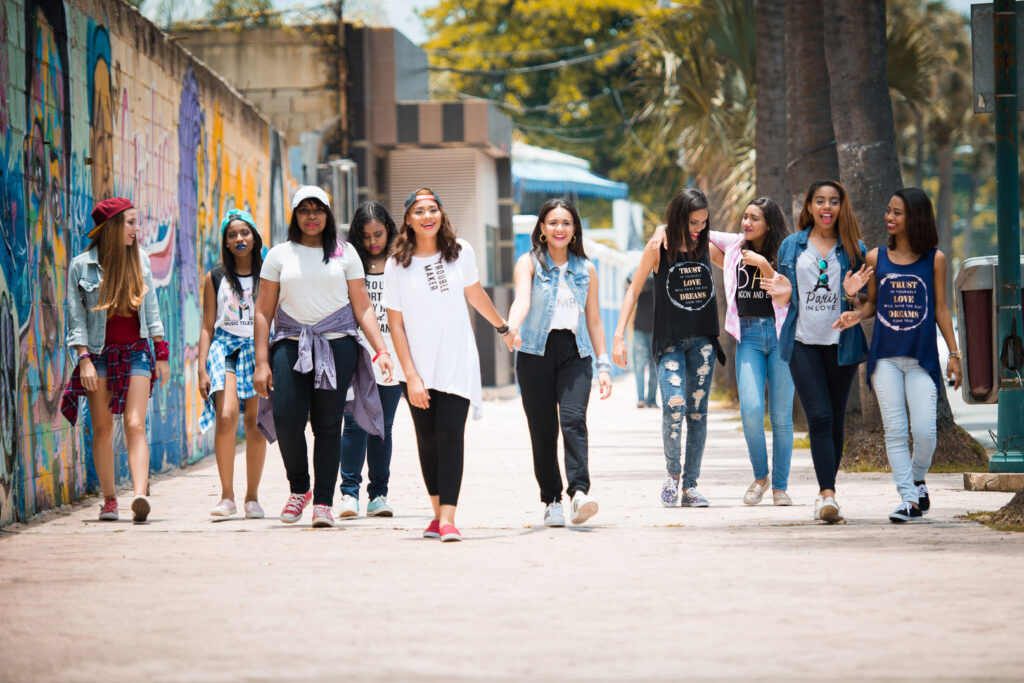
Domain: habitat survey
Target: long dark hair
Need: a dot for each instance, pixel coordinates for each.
(539, 248)
(447, 242)
(778, 228)
(846, 223)
(328, 238)
(364, 215)
(227, 259)
(677, 223)
(920, 220)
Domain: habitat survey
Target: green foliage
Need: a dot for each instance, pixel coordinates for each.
(255, 12)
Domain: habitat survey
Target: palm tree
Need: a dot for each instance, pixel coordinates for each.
(772, 179)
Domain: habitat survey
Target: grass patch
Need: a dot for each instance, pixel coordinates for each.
(984, 517)
(801, 442)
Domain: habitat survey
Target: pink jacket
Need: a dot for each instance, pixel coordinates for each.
(732, 245)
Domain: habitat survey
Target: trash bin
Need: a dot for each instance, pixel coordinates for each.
(978, 329)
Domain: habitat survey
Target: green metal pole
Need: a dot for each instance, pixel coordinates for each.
(1011, 396)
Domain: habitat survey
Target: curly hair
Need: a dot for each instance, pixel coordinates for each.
(777, 227)
(405, 243)
(846, 223)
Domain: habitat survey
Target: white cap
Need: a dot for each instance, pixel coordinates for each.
(310, 192)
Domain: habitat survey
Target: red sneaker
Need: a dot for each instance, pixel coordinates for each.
(449, 533)
(108, 511)
(434, 530)
(297, 502)
(322, 516)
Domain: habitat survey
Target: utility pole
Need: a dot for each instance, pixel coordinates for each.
(1011, 394)
(342, 58)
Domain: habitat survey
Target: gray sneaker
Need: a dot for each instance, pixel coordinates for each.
(692, 498)
(553, 515)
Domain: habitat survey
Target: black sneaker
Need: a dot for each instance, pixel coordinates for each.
(922, 497)
(905, 513)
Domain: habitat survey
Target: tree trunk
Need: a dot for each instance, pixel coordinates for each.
(972, 198)
(810, 141)
(770, 135)
(944, 208)
(919, 143)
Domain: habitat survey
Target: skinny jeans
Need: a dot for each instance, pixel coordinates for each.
(899, 382)
(358, 447)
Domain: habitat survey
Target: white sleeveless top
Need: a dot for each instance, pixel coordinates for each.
(234, 313)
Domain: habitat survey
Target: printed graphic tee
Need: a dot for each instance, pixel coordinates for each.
(819, 298)
(567, 309)
(375, 288)
(751, 300)
(684, 301)
(234, 313)
(430, 295)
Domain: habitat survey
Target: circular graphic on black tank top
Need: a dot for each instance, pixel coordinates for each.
(689, 285)
(902, 301)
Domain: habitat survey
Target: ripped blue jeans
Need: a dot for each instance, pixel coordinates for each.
(684, 375)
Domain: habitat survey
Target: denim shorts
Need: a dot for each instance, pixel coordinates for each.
(231, 362)
(140, 365)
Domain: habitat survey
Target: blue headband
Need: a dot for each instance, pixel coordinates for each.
(236, 215)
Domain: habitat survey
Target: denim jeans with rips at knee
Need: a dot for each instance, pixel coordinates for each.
(685, 369)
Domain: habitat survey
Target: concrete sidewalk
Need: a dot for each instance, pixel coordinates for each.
(644, 592)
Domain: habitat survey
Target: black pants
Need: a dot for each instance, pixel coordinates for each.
(823, 386)
(440, 438)
(556, 390)
(296, 401)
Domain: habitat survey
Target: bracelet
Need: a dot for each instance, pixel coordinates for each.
(954, 354)
(84, 354)
(603, 364)
(855, 299)
(503, 330)
(382, 352)
(161, 350)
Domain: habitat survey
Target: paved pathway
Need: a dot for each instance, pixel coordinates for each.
(644, 593)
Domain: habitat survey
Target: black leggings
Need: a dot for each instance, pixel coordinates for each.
(440, 438)
(823, 386)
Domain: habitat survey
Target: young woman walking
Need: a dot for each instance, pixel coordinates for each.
(814, 266)
(312, 287)
(372, 233)
(908, 292)
(112, 314)
(556, 312)
(685, 337)
(755, 320)
(227, 359)
(427, 282)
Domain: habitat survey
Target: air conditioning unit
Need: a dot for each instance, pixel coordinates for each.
(338, 178)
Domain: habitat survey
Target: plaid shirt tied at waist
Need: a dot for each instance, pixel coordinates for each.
(223, 345)
(315, 356)
(119, 366)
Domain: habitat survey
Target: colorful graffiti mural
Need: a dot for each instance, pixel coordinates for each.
(87, 115)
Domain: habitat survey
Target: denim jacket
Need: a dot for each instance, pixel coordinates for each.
(534, 331)
(88, 327)
(853, 346)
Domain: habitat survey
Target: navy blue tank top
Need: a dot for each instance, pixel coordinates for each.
(905, 321)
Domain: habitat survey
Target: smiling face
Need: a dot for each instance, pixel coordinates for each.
(896, 216)
(697, 223)
(558, 228)
(375, 238)
(754, 226)
(312, 217)
(824, 207)
(131, 227)
(239, 237)
(424, 217)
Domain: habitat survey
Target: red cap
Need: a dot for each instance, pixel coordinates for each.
(106, 210)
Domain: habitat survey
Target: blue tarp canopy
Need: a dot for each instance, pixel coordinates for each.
(554, 173)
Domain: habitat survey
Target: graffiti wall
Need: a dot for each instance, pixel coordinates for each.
(96, 102)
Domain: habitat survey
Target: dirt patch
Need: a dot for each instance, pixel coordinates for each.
(957, 451)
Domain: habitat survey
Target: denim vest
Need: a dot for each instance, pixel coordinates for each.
(88, 327)
(852, 343)
(534, 331)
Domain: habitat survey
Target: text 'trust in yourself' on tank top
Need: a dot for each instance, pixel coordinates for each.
(905, 321)
(684, 302)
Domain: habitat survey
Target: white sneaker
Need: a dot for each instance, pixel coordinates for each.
(830, 511)
(349, 507)
(553, 515)
(378, 507)
(253, 510)
(583, 507)
(818, 500)
(225, 508)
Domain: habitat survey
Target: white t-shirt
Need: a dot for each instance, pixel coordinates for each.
(234, 313)
(567, 309)
(375, 288)
(311, 290)
(431, 298)
(819, 301)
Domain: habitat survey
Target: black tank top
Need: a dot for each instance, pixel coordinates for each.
(684, 302)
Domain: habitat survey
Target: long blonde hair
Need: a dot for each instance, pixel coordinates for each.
(123, 287)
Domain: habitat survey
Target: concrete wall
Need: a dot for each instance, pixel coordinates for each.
(94, 102)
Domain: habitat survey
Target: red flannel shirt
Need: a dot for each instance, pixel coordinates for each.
(119, 366)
